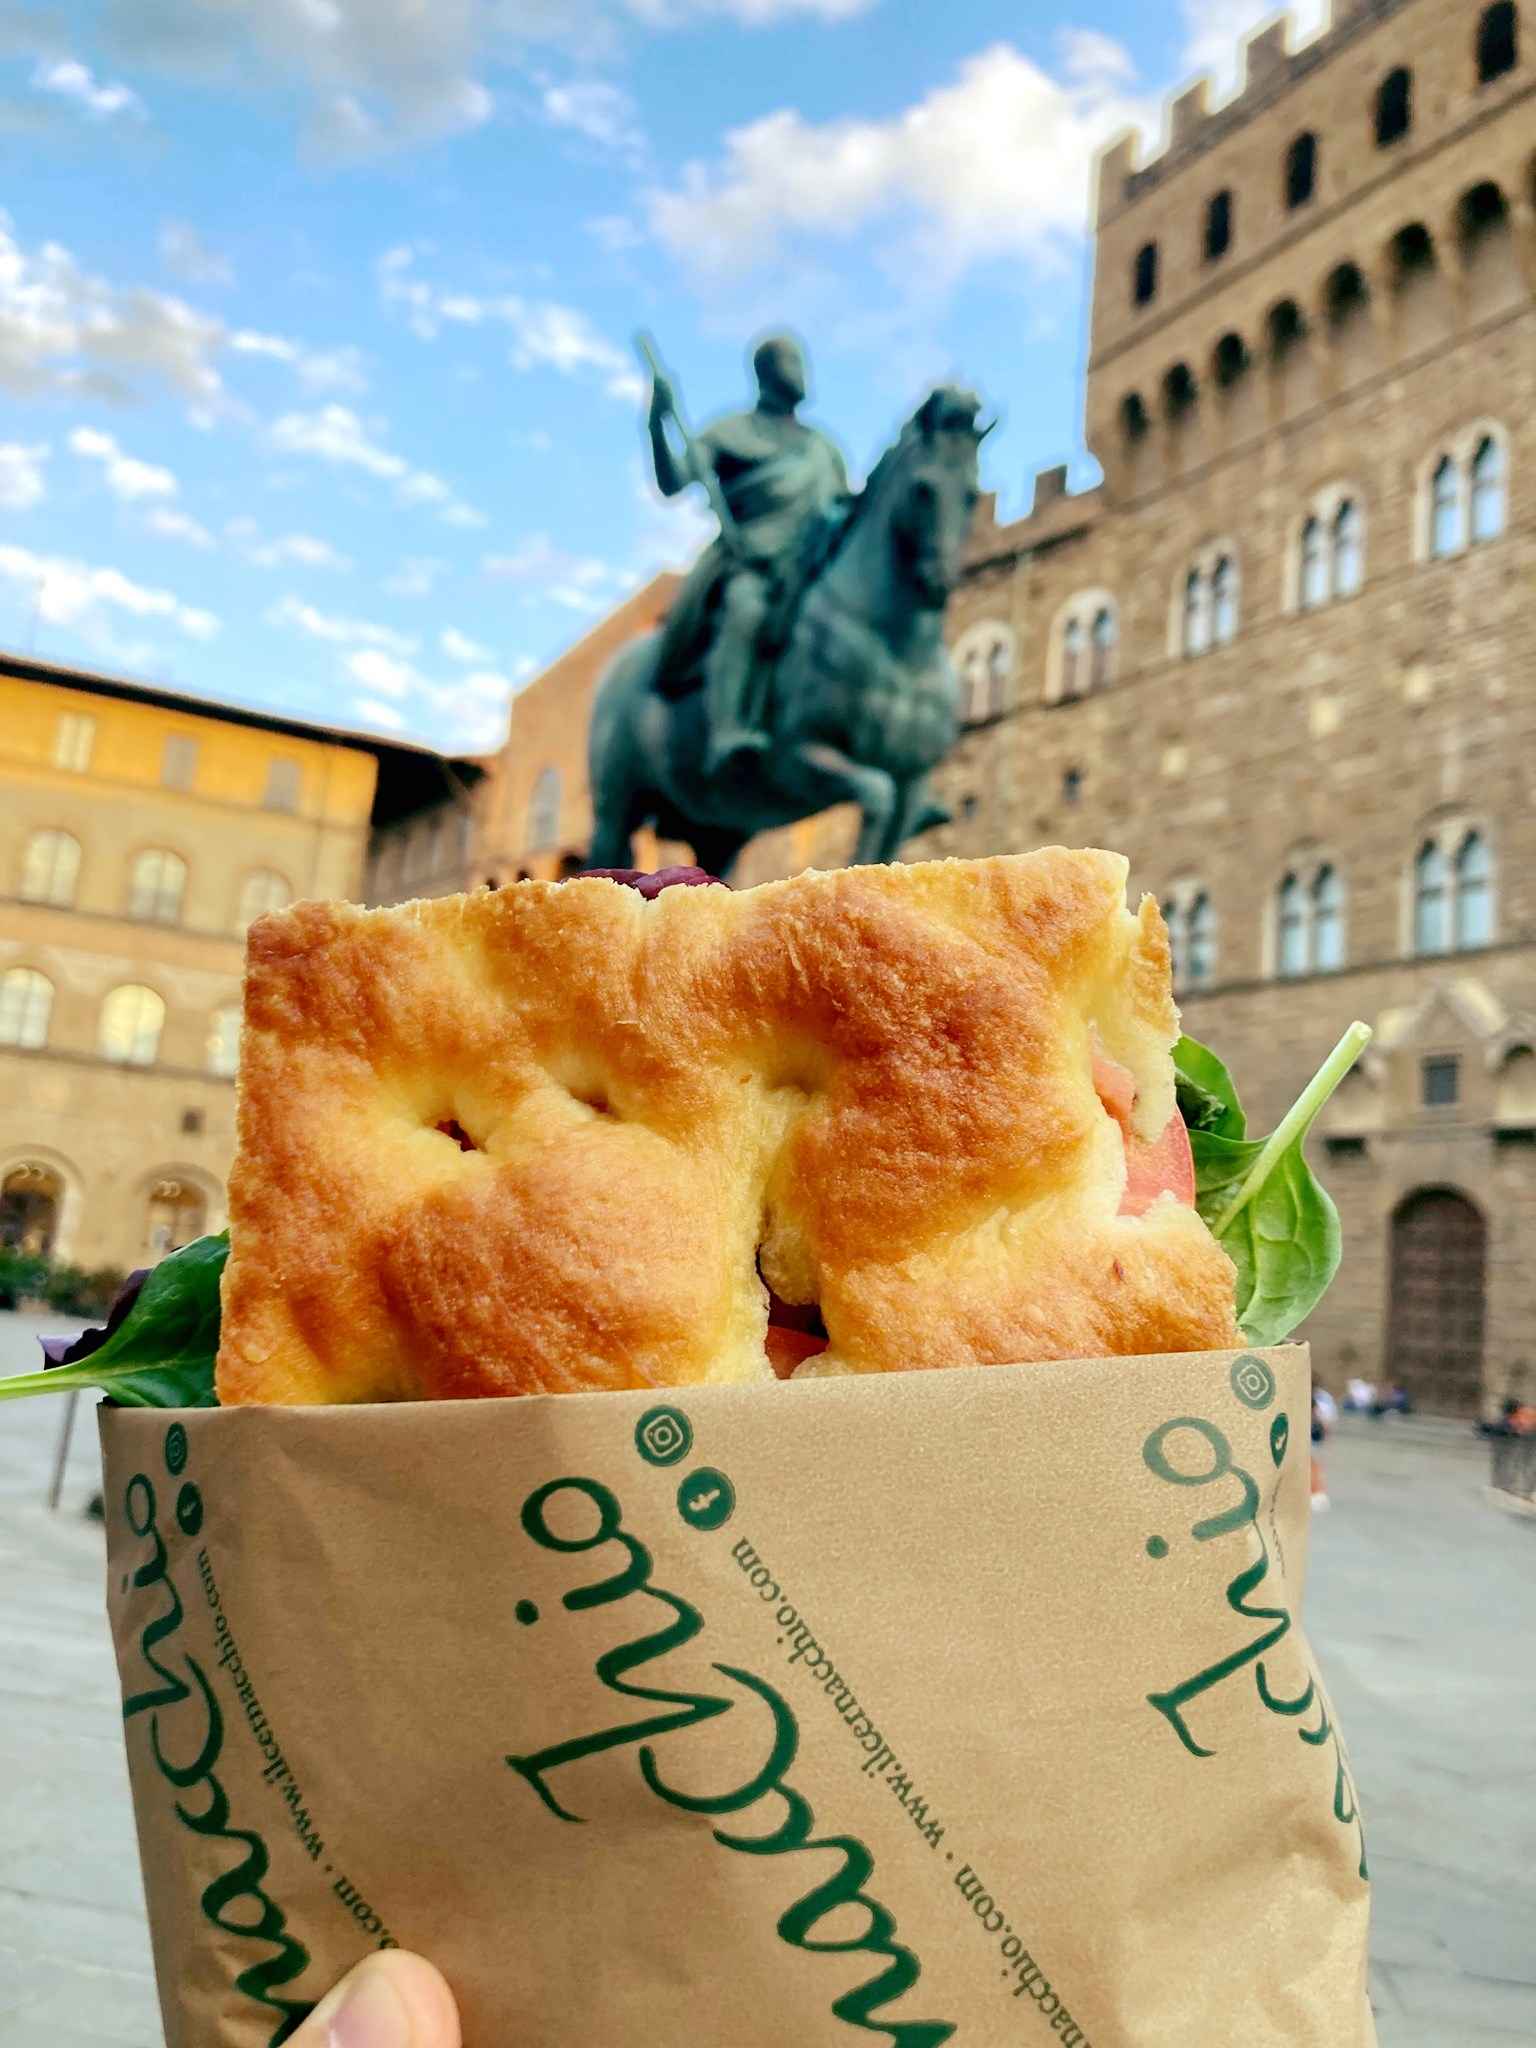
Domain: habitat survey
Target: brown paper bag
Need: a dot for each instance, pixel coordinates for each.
(961, 1705)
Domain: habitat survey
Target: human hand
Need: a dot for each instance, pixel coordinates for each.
(391, 2000)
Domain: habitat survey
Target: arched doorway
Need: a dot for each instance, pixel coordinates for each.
(175, 1216)
(1435, 1320)
(31, 1199)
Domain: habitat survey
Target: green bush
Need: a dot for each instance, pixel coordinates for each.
(23, 1276)
(74, 1292)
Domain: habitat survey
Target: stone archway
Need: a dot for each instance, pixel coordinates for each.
(175, 1212)
(1437, 1303)
(31, 1208)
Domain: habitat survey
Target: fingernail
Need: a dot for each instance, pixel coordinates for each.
(370, 2015)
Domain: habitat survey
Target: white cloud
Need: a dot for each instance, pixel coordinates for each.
(751, 13)
(1214, 30)
(377, 72)
(84, 596)
(184, 252)
(125, 476)
(336, 435)
(416, 577)
(173, 525)
(303, 550)
(337, 369)
(574, 582)
(459, 647)
(65, 331)
(21, 475)
(543, 334)
(305, 618)
(600, 112)
(384, 715)
(377, 671)
(615, 232)
(75, 82)
(994, 163)
(381, 73)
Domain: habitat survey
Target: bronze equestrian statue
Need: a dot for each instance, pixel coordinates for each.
(803, 664)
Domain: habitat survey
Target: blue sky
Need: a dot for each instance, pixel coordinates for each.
(316, 385)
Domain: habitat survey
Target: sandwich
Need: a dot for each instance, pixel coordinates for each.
(586, 1136)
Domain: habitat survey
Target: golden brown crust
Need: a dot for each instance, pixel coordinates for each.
(876, 1082)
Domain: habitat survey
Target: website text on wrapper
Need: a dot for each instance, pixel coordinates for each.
(802, 1646)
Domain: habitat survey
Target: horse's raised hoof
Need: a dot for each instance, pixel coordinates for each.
(930, 817)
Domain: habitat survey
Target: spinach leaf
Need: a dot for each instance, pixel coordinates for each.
(158, 1346)
(1267, 1209)
(1206, 1091)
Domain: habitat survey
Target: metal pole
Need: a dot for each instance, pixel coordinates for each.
(61, 1457)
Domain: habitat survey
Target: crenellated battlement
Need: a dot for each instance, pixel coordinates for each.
(1272, 59)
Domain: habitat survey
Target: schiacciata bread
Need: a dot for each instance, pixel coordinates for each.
(559, 1137)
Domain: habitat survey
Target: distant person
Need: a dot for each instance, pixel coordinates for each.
(1361, 1397)
(1392, 1400)
(1324, 1410)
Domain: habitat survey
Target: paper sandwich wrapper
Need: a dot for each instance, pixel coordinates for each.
(967, 1705)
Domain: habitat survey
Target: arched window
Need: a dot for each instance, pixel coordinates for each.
(1348, 549)
(262, 890)
(1173, 918)
(1072, 659)
(224, 1042)
(1431, 919)
(157, 885)
(1144, 275)
(1327, 920)
(1105, 633)
(175, 1213)
(1394, 107)
(1181, 393)
(1201, 951)
(49, 869)
(1218, 226)
(1197, 613)
(1135, 423)
(1314, 563)
(544, 809)
(1301, 171)
(1448, 529)
(1224, 602)
(973, 688)
(1231, 362)
(1474, 894)
(1346, 294)
(1413, 253)
(1489, 498)
(1287, 329)
(26, 1003)
(1293, 953)
(999, 669)
(1498, 42)
(132, 1018)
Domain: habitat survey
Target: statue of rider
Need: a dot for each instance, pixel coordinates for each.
(770, 476)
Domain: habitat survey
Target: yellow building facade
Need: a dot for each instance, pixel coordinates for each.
(140, 833)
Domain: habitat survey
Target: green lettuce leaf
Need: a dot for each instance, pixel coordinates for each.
(158, 1347)
(1259, 1196)
(1207, 1094)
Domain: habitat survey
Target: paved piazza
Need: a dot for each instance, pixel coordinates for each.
(1422, 1606)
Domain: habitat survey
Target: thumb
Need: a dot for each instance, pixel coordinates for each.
(391, 2000)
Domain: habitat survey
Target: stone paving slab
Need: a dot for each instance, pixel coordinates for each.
(1421, 1604)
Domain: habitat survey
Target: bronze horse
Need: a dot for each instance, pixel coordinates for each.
(861, 700)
